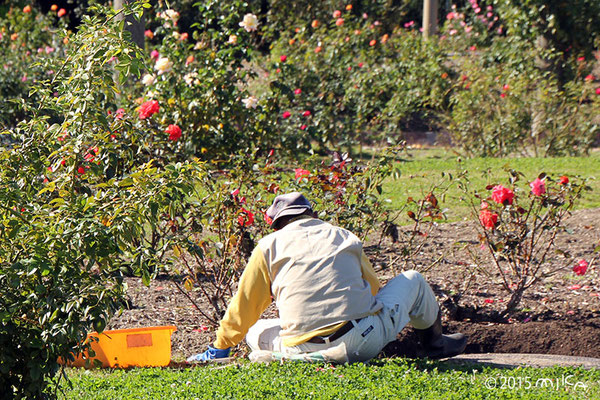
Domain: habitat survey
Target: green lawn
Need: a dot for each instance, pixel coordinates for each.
(422, 169)
(385, 379)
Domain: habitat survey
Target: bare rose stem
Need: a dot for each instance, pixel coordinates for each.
(214, 322)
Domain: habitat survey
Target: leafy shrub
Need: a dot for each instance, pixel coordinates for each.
(78, 208)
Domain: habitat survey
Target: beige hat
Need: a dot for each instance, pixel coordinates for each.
(288, 204)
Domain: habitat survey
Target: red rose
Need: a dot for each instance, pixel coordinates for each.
(174, 132)
(581, 267)
(298, 91)
(148, 108)
(286, 114)
(502, 195)
(301, 172)
(61, 13)
(488, 219)
(283, 58)
(246, 218)
(564, 180)
(303, 127)
(306, 113)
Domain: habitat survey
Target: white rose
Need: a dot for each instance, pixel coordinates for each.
(190, 79)
(250, 102)
(171, 14)
(163, 65)
(148, 79)
(249, 23)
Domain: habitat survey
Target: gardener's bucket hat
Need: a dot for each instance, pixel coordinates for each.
(288, 204)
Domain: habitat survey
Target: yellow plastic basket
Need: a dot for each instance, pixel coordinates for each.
(122, 348)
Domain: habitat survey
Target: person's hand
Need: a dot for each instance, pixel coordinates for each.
(210, 354)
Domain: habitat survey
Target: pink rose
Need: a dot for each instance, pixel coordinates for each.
(283, 58)
(488, 219)
(337, 14)
(286, 114)
(538, 187)
(298, 91)
(306, 113)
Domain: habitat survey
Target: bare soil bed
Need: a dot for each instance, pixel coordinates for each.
(559, 315)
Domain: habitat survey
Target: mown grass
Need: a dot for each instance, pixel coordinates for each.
(384, 379)
(421, 170)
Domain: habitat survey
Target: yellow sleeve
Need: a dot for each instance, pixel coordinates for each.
(368, 274)
(252, 298)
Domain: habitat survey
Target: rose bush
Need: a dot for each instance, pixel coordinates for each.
(518, 227)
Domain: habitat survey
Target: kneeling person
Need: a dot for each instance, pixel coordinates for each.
(327, 294)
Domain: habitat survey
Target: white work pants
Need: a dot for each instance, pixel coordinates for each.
(406, 298)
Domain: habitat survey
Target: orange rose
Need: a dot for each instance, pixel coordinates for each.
(61, 13)
(53, 7)
(14, 36)
(315, 23)
(27, 9)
